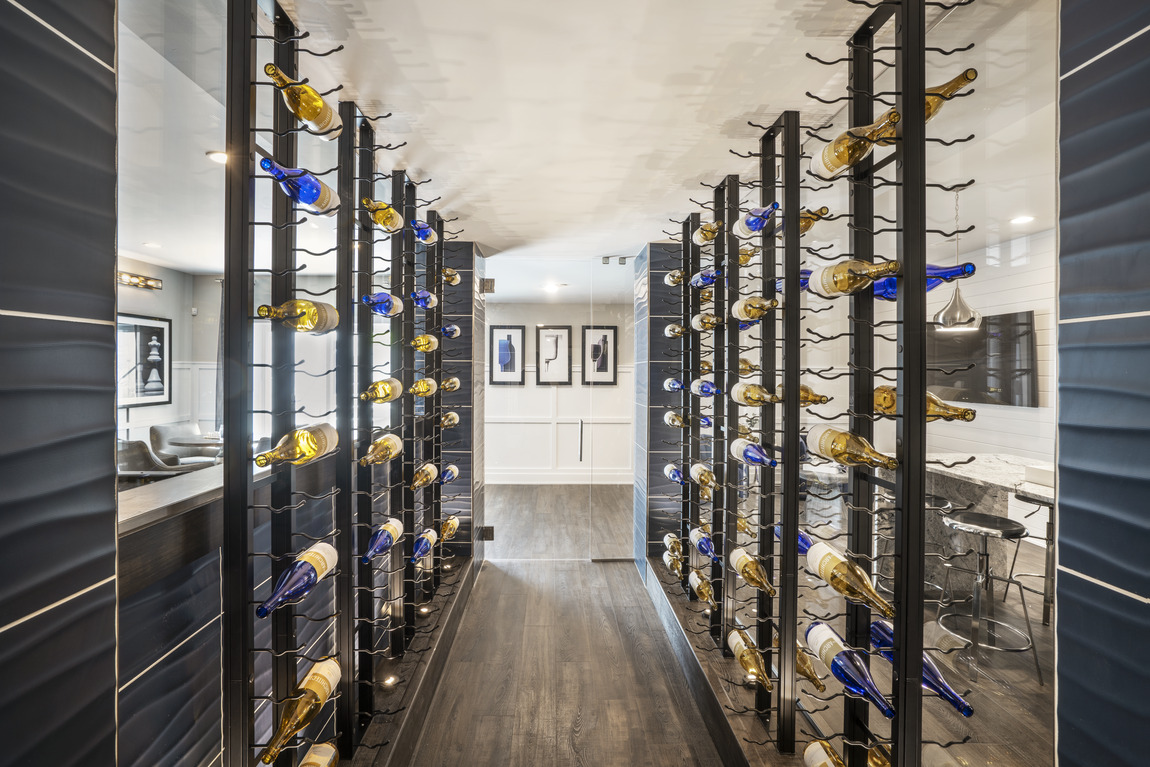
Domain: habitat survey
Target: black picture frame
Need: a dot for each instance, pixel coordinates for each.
(591, 377)
(516, 375)
(143, 361)
(543, 347)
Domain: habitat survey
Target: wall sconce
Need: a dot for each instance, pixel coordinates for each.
(139, 281)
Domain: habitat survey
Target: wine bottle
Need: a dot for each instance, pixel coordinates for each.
(383, 538)
(887, 288)
(747, 251)
(745, 451)
(705, 367)
(674, 564)
(882, 640)
(673, 384)
(807, 396)
(706, 422)
(387, 390)
(382, 450)
(886, 398)
(853, 146)
(846, 577)
(424, 299)
(300, 709)
(674, 277)
(751, 395)
(746, 367)
(424, 387)
(449, 528)
(702, 588)
(805, 541)
(707, 295)
(803, 664)
(450, 384)
(674, 330)
(449, 419)
(424, 475)
(425, 343)
(705, 321)
(423, 544)
(878, 756)
(702, 475)
(673, 544)
(301, 445)
(807, 219)
(701, 387)
(704, 494)
(674, 420)
(449, 474)
(321, 755)
(674, 473)
(846, 448)
(819, 753)
(702, 540)
(296, 582)
(706, 233)
(450, 276)
(706, 277)
(937, 97)
(850, 276)
(749, 657)
(307, 105)
(752, 308)
(743, 526)
(450, 331)
(303, 188)
(754, 221)
(751, 570)
(383, 304)
(303, 316)
(847, 665)
(423, 232)
(385, 217)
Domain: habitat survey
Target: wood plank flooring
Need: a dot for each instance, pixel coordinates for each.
(560, 521)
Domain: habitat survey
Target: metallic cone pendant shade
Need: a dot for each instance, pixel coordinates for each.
(957, 315)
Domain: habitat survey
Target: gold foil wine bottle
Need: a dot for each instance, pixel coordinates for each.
(450, 276)
(937, 97)
(674, 420)
(751, 395)
(820, 753)
(303, 316)
(803, 665)
(886, 400)
(706, 233)
(302, 445)
(321, 755)
(424, 387)
(385, 217)
(425, 343)
(746, 367)
(306, 104)
(705, 321)
(808, 218)
(449, 528)
(674, 330)
(673, 544)
(846, 448)
(674, 564)
(744, 527)
(707, 295)
(449, 419)
(807, 396)
(301, 710)
(848, 277)
(382, 450)
(674, 278)
(450, 384)
(703, 475)
(706, 367)
(702, 588)
(846, 577)
(387, 390)
(751, 570)
(747, 252)
(749, 657)
(853, 146)
(753, 308)
(877, 756)
(424, 476)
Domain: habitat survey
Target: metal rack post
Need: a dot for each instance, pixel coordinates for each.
(726, 293)
(718, 462)
(398, 469)
(410, 422)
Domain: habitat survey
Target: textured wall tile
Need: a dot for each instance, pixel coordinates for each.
(90, 24)
(1089, 28)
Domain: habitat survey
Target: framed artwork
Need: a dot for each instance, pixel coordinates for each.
(600, 355)
(143, 361)
(505, 350)
(553, 355)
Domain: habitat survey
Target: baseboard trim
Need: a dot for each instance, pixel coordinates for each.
(557, 477)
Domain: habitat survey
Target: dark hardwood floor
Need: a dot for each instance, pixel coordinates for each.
(560, 521)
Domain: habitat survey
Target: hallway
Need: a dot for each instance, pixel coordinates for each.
(561, 661)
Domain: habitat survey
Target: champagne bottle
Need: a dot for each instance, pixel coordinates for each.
(307, 105)
(387, 390)
(803, 664)
(321, 755)
(847, 665)
(706, 277)
(807, 396)
(747, 251)
(937, 97)
(846, 448)
(383, 304)
(449, 528)
(423, 232)
(702, 588)
(702, 475)
(424, 475)
(850, 276)
(673, 384)
(751, 395)
(744, 527)
(853, 146)
(746, 367)
(707, 295)
(701, 387)
(423, 544)
(705, 321)
(753, 307)
(449, 474)
(385, 217)
(887, 287)
(805, 541)
(424, 299)
(706, 233)
(749, 657)
(807, 219)
(673, 544)
(674, 277)
(846, 577)
(674, 420)
(674, 564)
(745, 451)
(303, 188)
(674, 330)
(705, 367)
(301, 445)
(450, 276)
(885, 401)
(674, 473)
(425, 343)
(449, 419)
(882, 640)
(701, 538)
(878, 756)
(751, 570)
(450, 331)
(296, 582)
(382, 450)
(301, 709)
(303, 316)
(754, 221)
(704, 495)
(820, 753)
(424, 387)
(383, 538)
(450, 384)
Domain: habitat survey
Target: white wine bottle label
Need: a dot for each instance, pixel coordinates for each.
(822, 163)
(394, 526)
(327, 318)
(824, 642)
(327, 201)
(320, 755)
(740, 558)
(669, 560)
(817, 755)
(326, 120)
(325, 436)
(322, 556)
(736, 643)
(739, 447)
(670, 540)
(822, 282)
(702, 475)
(820, 439)
(322, 678)
(694, 581)
(822, 559)
(431, 536)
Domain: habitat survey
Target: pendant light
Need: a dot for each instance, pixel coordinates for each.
(957, 315)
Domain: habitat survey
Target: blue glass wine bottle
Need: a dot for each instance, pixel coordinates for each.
(383, 538)
(847, 665)
(701, 387)
(887, 288)
(745, 451)
(423, 232)
(423, 544)
(703, 543)
(805, 541)
(706, 277)
(754, 221)
(383, 304)
(424, 300)
(673, 384)
(449, 474)
(674, 473)
(303, 188)
(297, 581)
(882, 640)
(450, 331)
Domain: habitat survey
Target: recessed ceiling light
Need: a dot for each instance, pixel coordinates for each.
(1022, 219)
(217, 156)
(151, 244)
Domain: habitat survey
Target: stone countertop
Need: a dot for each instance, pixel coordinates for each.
(992, 470)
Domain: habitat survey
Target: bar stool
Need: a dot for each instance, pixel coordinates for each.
(934, 503)
(1047, 574)
(986, 526)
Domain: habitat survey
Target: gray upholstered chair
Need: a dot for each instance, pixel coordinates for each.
(136, 456)
(161, 436)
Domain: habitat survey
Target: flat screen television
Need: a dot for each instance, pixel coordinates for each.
(1004, 357)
